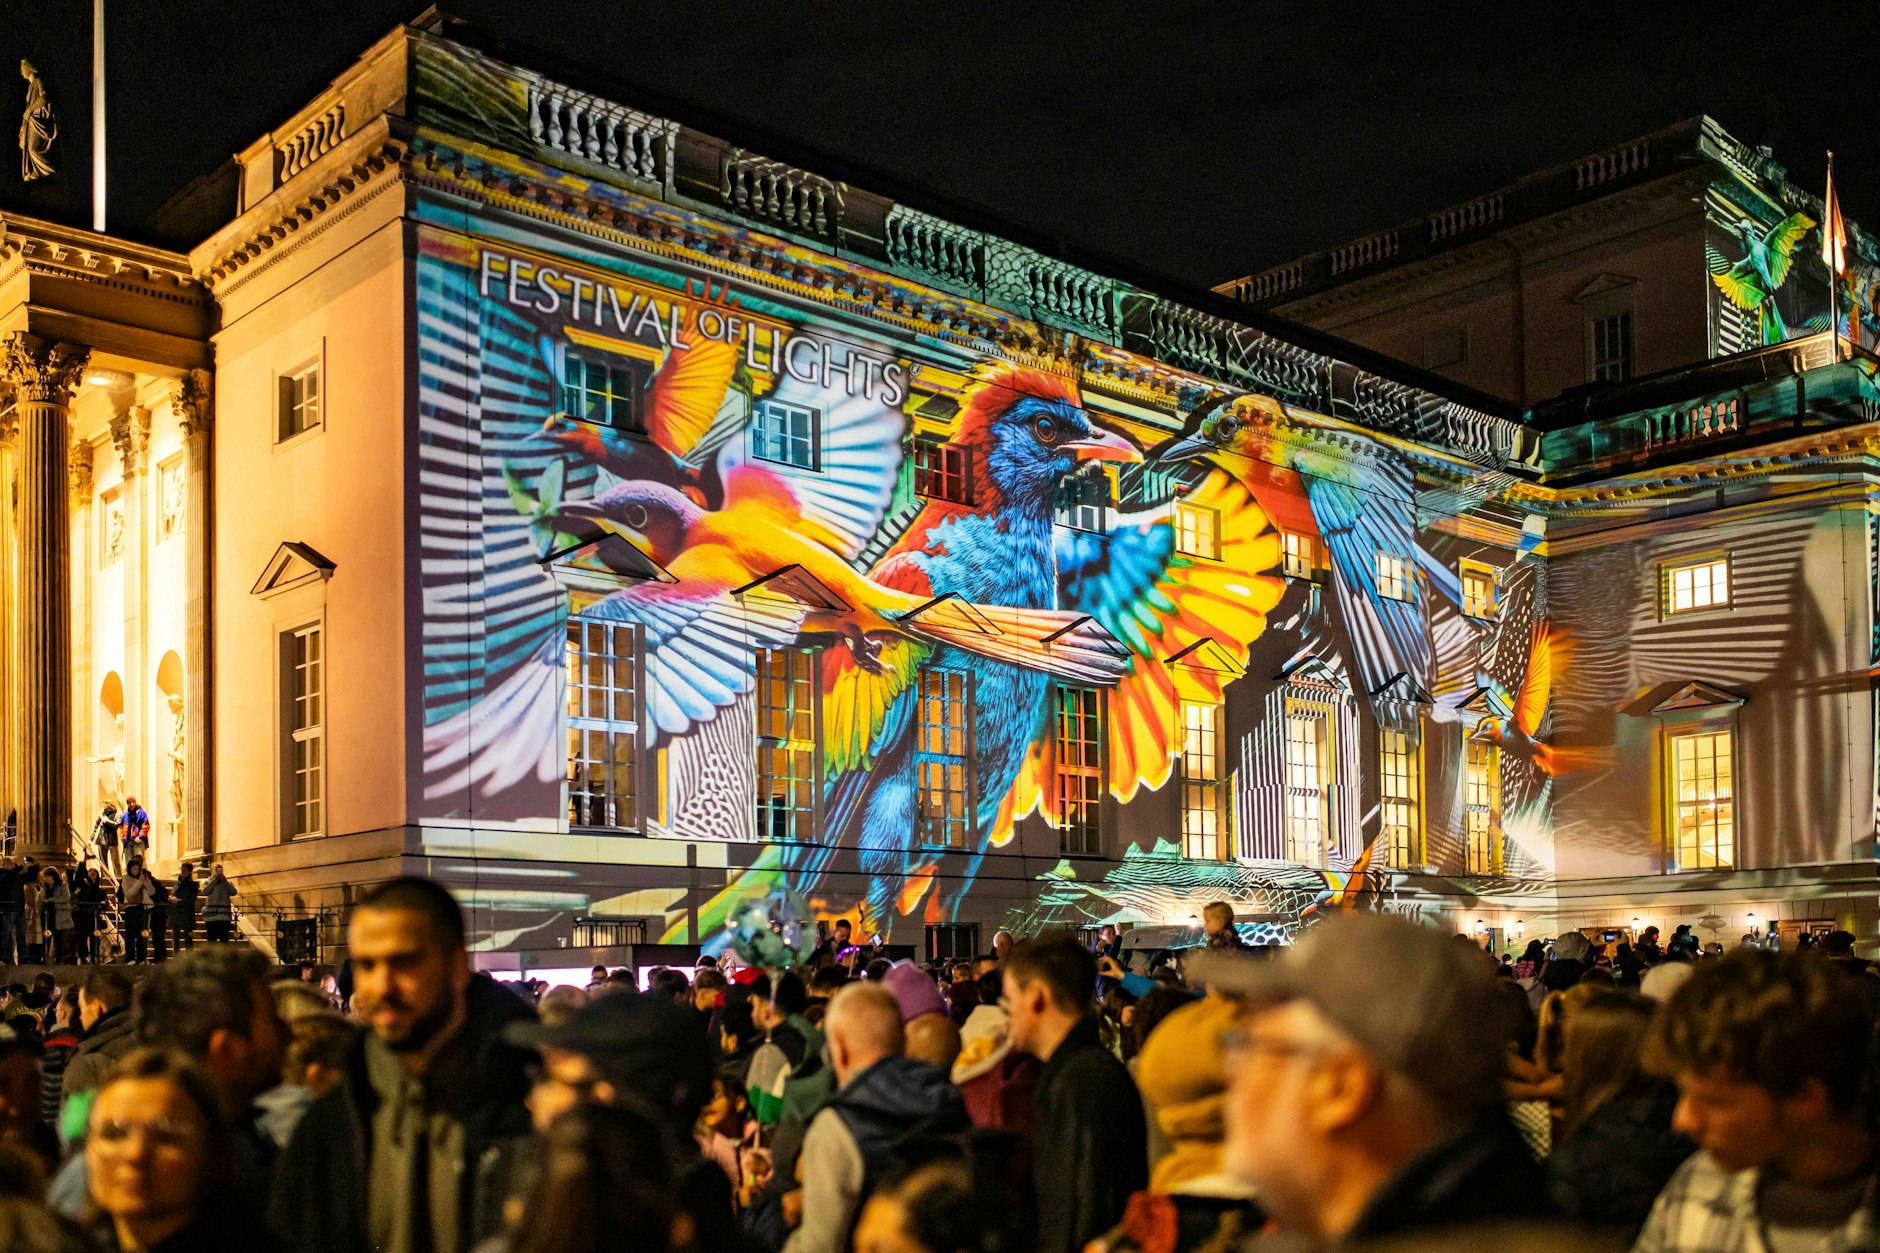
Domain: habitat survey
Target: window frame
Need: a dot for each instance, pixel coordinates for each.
(1083, 500)
(1469, 568)
(1202, 540)
(286, 404)
(1670, 567)
(944, 749)
(1082, 837)
(1481, 743)
(765, 747)
(761, 438)
(1203, 791)
(614, 729)
(1407, 841)
(1311, 783)
(935, 468)
(1299, 556)
(638, 374)
(295, 735)
(1399, 574)
(1599, 363)
(1674, 738)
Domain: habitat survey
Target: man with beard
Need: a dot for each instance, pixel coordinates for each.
(403, 1156)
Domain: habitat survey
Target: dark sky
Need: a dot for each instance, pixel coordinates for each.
(1196, 140)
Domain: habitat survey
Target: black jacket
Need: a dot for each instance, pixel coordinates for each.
(321, 1184)
(109, 1039)
(12, 888)
(1089, 1143)
(1482, 1174)
(1612, 1168)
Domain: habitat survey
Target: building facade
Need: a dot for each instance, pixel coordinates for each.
(1675, 248)
(614, 523)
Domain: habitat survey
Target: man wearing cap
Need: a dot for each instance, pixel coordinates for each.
(651, 1051)
(882, 1099)
(1365, 1083)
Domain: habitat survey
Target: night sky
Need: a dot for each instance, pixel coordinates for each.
(1196, 140)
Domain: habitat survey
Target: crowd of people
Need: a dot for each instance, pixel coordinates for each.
(78, 916)
(1377, 1081)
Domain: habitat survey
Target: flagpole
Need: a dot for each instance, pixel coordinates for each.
(1830, 225)
(97, 116)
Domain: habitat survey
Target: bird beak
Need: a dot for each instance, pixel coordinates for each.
(1187, 448)
(1104, 446)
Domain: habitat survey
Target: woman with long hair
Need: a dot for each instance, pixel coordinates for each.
(1616, 1149)
(604, 1180)
(157, 1154)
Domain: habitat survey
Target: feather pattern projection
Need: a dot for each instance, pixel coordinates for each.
(1024, 431)
(1751, 282)
(1368, 532)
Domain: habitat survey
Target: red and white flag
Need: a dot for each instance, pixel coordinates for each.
(1833, 229)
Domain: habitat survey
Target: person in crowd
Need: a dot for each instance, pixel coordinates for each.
(645, 1052)
(88, 901)
(597, 979)
(708, 989)
(1771, 1056)
(156, 1149)
(12, 913)
(1365, 1096)
(134, 831)
(938, 1207)
(722, 1127)
(780, 1017)
(932, 1038)
(398, 1156)
(218, 907)
(313, 1063)
(1217, 926)
(33, 896)
(22, 1098)
(1616, 1149)
(604, 1184)
(294, 1000)
(134, 897)
(1664, 979)
(104, 838)
(1648, 948)
(57, 895)
(159, 917)
(104, 1016)
(183, 908)
(997, 1082)
(1001, 946)
(926, 1021)
(1571, 958)
(1089, 1149)
(1863, 983)
(560, 1003)
(881, 1097)
(62, 1038)
(830, 948)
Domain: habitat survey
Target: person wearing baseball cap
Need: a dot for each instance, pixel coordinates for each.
(1365, 1072)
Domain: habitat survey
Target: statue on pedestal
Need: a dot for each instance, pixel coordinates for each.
(37, 129)
(176, 770)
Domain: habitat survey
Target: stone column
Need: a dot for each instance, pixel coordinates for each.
(194, 402)
(84, 690)
(44, 374)
(9, 602)
(130, 431)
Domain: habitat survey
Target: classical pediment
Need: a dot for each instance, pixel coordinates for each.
(1697, 695)
(1604, 285)
(293, 565)
(1207, 654)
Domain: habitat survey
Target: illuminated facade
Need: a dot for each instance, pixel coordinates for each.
(608, 521)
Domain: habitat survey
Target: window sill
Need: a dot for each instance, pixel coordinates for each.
(299, 437)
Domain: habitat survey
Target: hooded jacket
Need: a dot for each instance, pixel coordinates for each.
(108, 1039)
(321, 1186)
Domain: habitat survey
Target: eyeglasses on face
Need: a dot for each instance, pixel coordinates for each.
(1238, 1045)
(162, 1133)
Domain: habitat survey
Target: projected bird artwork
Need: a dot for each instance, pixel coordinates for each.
(1752, 280)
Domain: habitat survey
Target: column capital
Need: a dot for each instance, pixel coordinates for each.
(78, 467)
(130, 431)
(45, 371)
(194, 402)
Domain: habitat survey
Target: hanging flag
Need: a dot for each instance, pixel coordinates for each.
(1833, 228)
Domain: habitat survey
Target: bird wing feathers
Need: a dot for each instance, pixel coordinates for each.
(687, 394)
(1782, 242)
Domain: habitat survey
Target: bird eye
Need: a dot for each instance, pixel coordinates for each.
(1047, 430)
(636, 517)
(1226, 428)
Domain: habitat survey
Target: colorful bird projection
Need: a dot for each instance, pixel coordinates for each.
(1751, 282)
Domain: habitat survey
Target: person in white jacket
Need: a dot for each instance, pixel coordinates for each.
(135, 893)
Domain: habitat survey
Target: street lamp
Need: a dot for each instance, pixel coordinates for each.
(1520, 928)
(1638, 924)
(1481, 928)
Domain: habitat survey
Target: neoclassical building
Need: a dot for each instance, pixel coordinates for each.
(613, 522)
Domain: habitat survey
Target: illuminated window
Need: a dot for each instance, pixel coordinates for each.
(303, 684)
(1079, 770)
(1400, 762)
(785, 433)
(1478, 590)
(787, 783)
(1202, 836)
(1393, 576)
(940, 759)
(1481, 802)
(602, 661)
(943, 472)
(1197, 531)
(1609, 347)
(1301, 555)
(1309, 758)
(1082, 501)
(1703, 790)
(1692, 585)
(300, 401)
(603, 389)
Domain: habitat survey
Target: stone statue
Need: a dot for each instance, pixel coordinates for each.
(176, 767)
(112, 789)
(37, 129)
